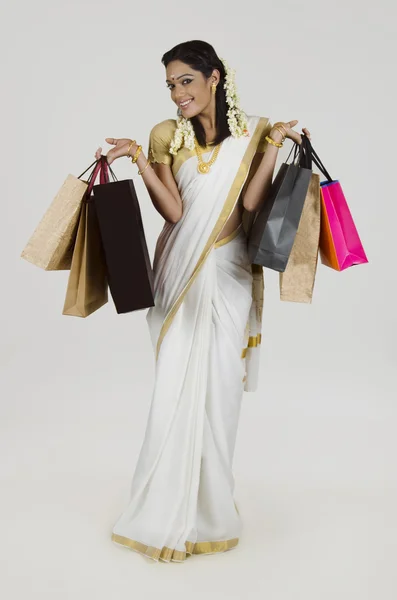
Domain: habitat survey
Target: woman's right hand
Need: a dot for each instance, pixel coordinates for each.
(120, 149)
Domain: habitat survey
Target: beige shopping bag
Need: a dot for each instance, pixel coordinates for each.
(297, 281)
(51, 245)
(87, 288)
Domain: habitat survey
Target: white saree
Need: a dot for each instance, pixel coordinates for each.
(205, 329)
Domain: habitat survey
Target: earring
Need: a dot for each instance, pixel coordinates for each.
(213, 88)
(179, 112)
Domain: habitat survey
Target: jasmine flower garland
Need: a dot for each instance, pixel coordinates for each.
(236, 117)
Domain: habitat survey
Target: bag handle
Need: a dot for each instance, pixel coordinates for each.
(91, 165)
(300, 155)
(307, 156)
(93, 170)
(105, 168)
(306, 161)
(295, 148)
(92, 178)
(104, 175)
(315, 158)
(101, 167)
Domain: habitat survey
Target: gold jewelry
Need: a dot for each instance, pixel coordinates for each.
(269, 139)
(279, 124)
(137, 153)
(145, 167)
(204, 167)
(282, 132)
(213, 88)
(129, 148)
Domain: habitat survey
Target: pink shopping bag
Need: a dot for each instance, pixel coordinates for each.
(340, 246)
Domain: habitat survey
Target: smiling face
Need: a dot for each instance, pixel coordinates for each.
(190, 90)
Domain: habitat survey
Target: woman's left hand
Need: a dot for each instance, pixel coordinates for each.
(288, 131)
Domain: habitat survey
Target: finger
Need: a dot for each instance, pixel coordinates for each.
(292, 123)
(112, 141)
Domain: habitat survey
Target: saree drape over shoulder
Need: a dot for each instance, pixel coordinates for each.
(205, 329)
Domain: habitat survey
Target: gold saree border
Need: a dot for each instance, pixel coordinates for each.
(253, 342)
(226, 211)
(170, 554)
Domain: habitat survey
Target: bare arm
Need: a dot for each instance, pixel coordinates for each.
(162, 188)
(257, 190)
(263, 164)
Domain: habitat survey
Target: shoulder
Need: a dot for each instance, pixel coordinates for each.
(164, 129)
(262, 123)
(160, 138)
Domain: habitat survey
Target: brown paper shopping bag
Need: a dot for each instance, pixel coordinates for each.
(50, 247)
(297, 281)
(87, 288)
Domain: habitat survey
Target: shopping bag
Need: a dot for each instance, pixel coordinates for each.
(50, 247)
(130, 274)
(87, 288)
(273, 232)
(297, 281)
(340, 244)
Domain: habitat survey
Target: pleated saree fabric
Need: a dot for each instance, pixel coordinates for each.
(205, 331)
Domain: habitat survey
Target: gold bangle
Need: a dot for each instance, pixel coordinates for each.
(129, 148)
(145, 167)
(269, 139)
(137, 153)
(282, 132)
(279, 124)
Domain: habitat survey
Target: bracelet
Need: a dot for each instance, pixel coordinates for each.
(269, 139)
(137, 153)
(280, 124)
(129, 148)
(145, 167)
(282, 132)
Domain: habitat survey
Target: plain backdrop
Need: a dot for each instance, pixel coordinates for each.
(315, 461)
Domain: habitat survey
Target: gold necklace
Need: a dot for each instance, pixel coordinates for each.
(204, 166)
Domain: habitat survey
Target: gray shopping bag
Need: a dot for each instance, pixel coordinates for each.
(273, 232)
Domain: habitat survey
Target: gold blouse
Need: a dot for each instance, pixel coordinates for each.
(160, 139)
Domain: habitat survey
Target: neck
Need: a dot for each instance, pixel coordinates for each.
(207, 118)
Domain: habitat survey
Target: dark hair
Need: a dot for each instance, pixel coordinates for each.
(201, 56)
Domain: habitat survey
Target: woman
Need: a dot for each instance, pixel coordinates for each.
(207, 174)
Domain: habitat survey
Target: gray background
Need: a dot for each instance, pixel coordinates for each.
(315, 458)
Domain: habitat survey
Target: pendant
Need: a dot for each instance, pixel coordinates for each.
(203, 168)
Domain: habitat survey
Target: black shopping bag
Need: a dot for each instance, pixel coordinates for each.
(273, 232)
(129, 270)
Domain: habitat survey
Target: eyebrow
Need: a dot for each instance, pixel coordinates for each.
(184, 75)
